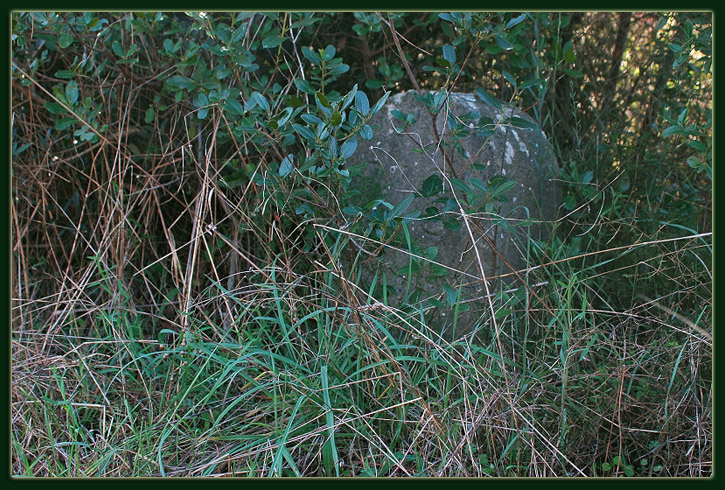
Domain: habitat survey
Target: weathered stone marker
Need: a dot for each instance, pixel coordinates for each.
(494, 164)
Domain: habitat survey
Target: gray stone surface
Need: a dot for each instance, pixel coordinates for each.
(399, 162)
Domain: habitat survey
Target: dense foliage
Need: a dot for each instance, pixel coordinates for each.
(179, 188)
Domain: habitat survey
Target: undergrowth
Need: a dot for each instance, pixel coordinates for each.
(180, 304)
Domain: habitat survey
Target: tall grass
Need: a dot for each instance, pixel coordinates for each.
(310, 376)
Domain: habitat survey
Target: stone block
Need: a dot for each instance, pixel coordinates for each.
(495, 165)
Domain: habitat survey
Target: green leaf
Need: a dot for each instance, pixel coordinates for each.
(451, 205)
(329, 52)
(55, 108)
(331, 145)
(502, 313)
(336, 118)
(431, 253)
(460, 185)
(181, 82)
(304, 209)
(64, 123)
(329, 450)
(573, 73)
(351, 210)
(438, 99)
(510, 78)
(221, 72)
(520, 122)
(284, 116)
(452, 18)
(305, 132)
(65, 40)
(239, 33)
(347, 100)
(311, 55)
(149, 116)
(304, 86)
(201, 100)
(117, 49)
(366, 132)
(488, 99)
(379, 104)
(89, 136)
(295, 102)
(257, 99)
(71, 92)
(451, 224)
(504, 43)
(311, 119)
(348, 148)
(272, 40)
(398, 114)
(374, 83)
(515, 21)
(451, 295)
(698, 146)
(532, 82)
(449, 53)
(309, 162)
(672, 130)
(478, 184)
(233, 106)
(681, 118)
(304, 22)
(501, 188)
(403, 205)
(65, 74)
(432, 186)
(569, 55)
(286, 167)
(695, 163)
(241, 16)
(362, 104)
(322, 100)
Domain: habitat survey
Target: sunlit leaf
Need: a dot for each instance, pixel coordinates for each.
(504, 43)
(286, 167)
(515, 21)
(362, 104)
(449, 53)
(366, 132)
(348, 148)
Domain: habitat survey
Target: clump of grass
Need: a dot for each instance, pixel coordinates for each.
(309, 380)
